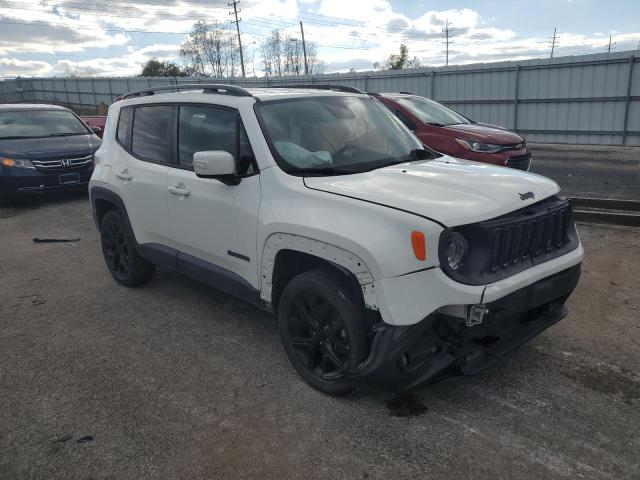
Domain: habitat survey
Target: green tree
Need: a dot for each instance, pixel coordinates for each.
(398, 61)
(156, 68)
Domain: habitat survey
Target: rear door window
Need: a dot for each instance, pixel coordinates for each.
(151, 135)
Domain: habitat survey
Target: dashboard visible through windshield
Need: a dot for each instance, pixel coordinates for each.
(334, 134)
(40, 123)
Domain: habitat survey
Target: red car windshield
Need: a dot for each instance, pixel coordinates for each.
(431, 112)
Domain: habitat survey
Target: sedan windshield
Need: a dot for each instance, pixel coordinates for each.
(334, 135)
(39, 123)
(431, 112)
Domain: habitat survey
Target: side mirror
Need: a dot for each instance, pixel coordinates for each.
(96, 129)
(216, 164)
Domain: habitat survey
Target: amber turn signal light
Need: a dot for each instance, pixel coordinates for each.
(419, 245)
(7, 162)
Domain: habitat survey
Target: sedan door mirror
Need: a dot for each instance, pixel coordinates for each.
(217, 164)
(96, 129)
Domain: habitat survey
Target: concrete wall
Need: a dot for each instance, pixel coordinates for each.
(588, 99)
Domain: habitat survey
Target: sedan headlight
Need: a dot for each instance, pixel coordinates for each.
(474, 146)
(457, 250)
(17, 163)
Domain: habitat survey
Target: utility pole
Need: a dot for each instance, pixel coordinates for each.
(446, 32)
(304, 49)
(554, 41)
(610, 44)
(237, 22)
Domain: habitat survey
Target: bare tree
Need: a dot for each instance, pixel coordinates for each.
(210, 49)
(314, 63)
(284, 55)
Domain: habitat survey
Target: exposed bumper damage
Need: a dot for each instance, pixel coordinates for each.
(441, 346)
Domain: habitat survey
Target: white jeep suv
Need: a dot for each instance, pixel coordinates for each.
(387, 264)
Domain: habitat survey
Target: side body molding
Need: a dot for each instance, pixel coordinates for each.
(339, 256)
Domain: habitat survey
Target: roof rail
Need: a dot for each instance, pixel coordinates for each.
(379, 94)
(337, 88)
(205, 87)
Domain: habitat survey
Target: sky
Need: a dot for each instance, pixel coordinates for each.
(116, 37)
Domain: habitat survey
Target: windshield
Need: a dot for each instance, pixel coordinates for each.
(334, 134)
(39, 123)
(431, 112)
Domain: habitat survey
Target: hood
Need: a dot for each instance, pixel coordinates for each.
(450, 191)
(483, 132)
(35, 148)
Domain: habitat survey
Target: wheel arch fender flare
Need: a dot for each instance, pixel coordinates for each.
(339, 257)
(97, 194)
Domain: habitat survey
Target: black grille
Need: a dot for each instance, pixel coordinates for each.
(506, 245)
(521, 162)
(524, 240)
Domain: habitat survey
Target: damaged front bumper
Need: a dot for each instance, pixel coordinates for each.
(441, 346)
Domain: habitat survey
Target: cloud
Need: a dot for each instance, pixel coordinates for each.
(53, 37)
(12, 67)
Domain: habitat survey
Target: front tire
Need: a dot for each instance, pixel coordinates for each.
(127, 267)
(322, 329)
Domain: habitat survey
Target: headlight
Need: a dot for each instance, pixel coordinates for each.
(478, 146)
(17, 163)
(457, 250)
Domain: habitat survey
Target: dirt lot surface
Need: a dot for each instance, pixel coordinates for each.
(590, 170)
(177, 380)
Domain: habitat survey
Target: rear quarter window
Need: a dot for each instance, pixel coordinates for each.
(151, 134)
(124, 125)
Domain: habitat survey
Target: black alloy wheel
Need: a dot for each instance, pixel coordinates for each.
(125, 264)
(322, 329)
(318, 336)
(115, 248)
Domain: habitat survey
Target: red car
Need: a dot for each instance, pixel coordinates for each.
(448, 132)
(96, 123)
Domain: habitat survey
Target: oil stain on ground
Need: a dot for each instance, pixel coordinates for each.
(405, 405)
(607, 380)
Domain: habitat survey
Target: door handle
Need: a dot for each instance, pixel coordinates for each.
(180, 190)
(124, 175)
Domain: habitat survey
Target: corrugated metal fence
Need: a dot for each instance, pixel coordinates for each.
(589, 99)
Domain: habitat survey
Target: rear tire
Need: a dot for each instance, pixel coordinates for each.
(322, 329)
(127, 267)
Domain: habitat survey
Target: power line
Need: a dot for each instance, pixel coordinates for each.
(555, 41)
(237, 22)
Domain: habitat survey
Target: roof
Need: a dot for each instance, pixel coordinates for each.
(30, 106)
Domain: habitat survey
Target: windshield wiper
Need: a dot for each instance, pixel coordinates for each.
(436, 124)
(66, 134)
(15, 137)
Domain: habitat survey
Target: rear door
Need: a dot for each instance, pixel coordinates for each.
(140, 173)
(212, 221)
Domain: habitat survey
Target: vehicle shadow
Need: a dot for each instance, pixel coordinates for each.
(443, 395)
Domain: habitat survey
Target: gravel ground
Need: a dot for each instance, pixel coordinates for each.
(177, 380)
